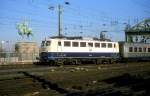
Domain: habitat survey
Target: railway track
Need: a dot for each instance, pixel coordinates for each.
(14, 71)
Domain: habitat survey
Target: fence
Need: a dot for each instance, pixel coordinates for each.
(8, 58)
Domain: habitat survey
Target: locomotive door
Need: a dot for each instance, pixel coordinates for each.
(59, 49)
(115, 50)
(90, 45)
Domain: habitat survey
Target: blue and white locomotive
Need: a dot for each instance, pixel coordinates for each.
(77, 50)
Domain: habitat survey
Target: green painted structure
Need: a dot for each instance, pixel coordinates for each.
(139, 33)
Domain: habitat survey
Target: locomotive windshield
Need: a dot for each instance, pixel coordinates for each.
(46, 43)
(43, 43)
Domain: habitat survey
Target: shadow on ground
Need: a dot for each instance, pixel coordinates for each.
(124, 85)
(45, 83)
(137, 84)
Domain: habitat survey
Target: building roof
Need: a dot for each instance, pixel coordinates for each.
(143, 26)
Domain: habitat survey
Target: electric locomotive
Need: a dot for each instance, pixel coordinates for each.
(78, 50)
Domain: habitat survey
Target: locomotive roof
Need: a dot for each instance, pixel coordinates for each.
(78, 38)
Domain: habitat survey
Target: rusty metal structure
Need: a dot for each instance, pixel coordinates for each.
(139, 33)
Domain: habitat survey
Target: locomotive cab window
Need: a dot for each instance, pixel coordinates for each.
(75, 44)
(66, 43)
(114, 45)
(109, 45)
(48, 43)
(82, 44)
(103, 45)
(43, 43)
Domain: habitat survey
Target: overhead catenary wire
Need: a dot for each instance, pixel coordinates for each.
(75, 18)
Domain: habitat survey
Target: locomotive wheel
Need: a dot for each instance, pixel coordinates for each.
(60, 62)
(99, 61)
(53, 63)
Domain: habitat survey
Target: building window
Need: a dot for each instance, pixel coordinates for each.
(97, 45)
(135, 49)
(103, 45)
(75, 44)
(140, 49)
(90, 44)
(130, 49)
(109, 45)
(66, 43)
(48, 43)
(82, 44)
(59, 43)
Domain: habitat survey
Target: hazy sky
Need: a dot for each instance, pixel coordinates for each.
(79, 17)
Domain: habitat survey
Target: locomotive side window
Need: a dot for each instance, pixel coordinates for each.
(82, 44)
(48, 43)
(59, 43)
(109, 45)
(97, 45)
(75, 44)
(130, 49)
(140, 49)
(90, 44)
(135, 49)
(103, 45)
(66, 43)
